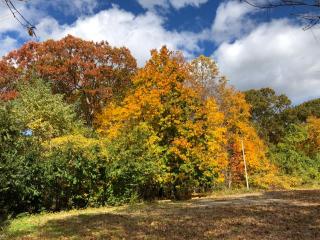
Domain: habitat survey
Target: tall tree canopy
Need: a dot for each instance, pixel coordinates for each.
(84, 71)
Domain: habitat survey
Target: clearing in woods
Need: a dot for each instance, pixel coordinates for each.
(268, 215)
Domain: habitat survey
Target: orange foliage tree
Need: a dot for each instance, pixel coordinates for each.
(236, 112)
(84, 71)
(189, 129)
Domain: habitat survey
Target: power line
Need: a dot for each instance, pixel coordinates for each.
(20, 18)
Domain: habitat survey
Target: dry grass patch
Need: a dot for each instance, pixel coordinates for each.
(271, 215)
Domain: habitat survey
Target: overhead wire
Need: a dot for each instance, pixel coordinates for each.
(25, 23)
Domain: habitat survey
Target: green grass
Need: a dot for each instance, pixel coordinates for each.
(30, 225)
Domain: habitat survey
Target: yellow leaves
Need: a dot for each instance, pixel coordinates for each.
(40, 127)
(189, 128)
(201, 128)
(181, 143)
(230, 110)
(78, 142)
(313, 127)
(239, 128)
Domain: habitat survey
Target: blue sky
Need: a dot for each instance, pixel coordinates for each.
(253, 48)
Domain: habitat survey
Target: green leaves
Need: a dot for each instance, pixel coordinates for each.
(268, 113)
(135, 165)
(42, 113)
(292, 155)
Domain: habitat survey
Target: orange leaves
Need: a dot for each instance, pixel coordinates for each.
(88, 72)
(189, 128)
(239, 129)
(199, 123)
(234, 114)
(8, 78)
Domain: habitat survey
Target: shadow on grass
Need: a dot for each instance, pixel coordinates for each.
(271, 220)
(4, 220)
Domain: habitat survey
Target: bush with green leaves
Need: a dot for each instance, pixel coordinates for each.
(75, 177)
(20, 171)
(292, 158)
(41, 113)
(26, 123)
(135, 166)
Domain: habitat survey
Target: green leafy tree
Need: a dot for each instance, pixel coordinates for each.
(301, 112)
(268, 113)
(26, 124)
(42, 114)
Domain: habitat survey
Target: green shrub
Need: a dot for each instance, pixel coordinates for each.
(135, 166)
(20, 171)
(73, 179)
(292, 158)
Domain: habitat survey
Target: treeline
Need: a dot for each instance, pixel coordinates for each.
(291, 133)
(81, 125)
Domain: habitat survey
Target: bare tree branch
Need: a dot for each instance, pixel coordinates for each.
(308, 6)
(282, 3)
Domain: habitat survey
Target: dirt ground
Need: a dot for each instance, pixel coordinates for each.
(269, 215)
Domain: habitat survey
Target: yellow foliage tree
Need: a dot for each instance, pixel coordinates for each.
(189, 128)
(313, 127)
(236, 113)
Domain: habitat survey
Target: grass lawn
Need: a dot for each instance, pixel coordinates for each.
(269, 215)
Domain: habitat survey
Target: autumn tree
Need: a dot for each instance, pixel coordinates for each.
(85, 72)
(236, 113)
(187, 129)
(313, 128)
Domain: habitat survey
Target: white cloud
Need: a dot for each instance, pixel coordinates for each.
(140, 33)
(232, 20)
(37, 10)
(278, 54)
(177, 4)
(7, 44)
(9, 23)
(252, 55)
